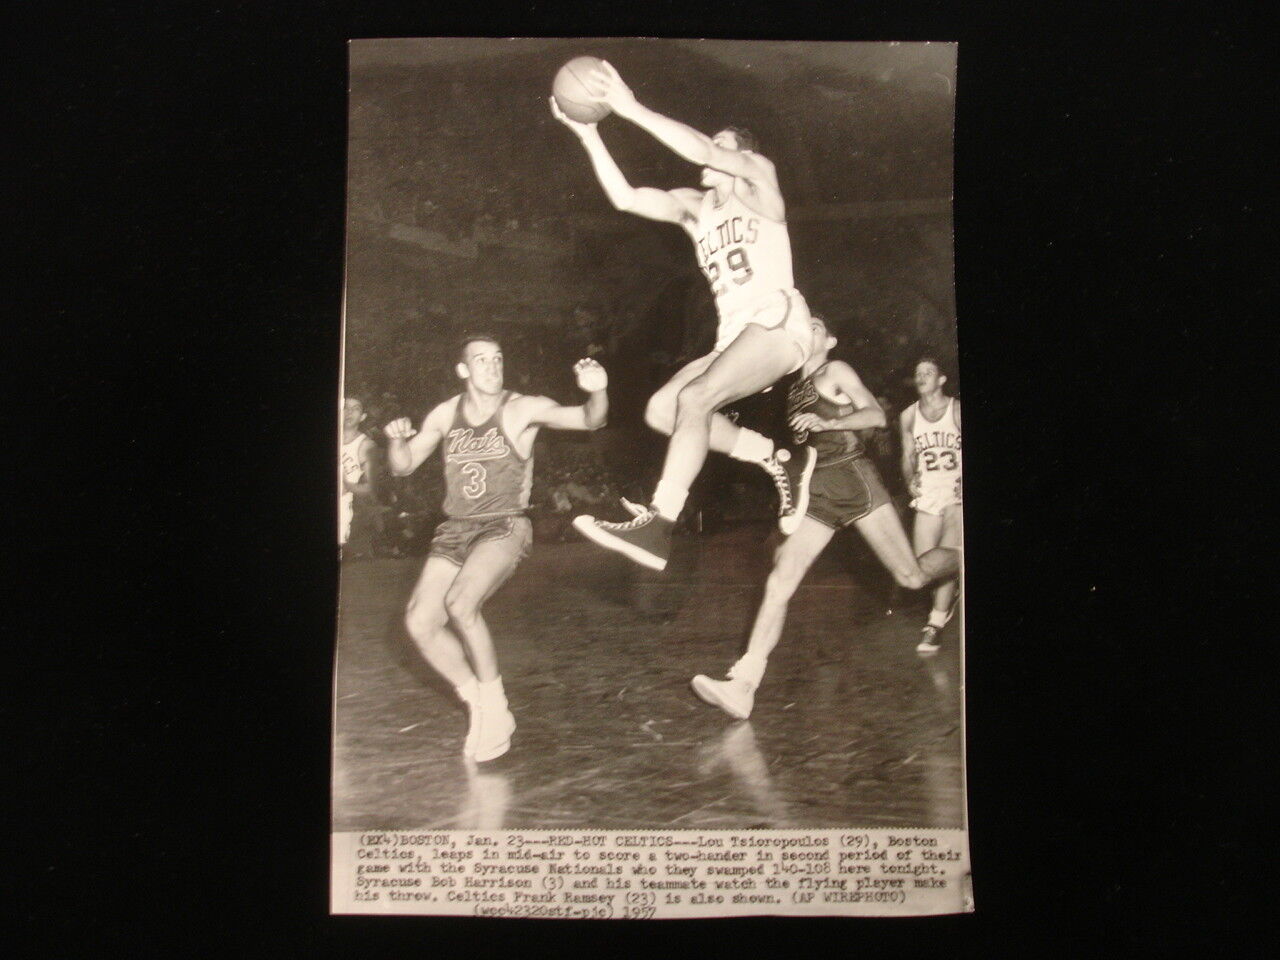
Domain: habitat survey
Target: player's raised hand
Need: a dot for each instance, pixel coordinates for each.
(401, 429)
(581, 129)
(610, 87)
(592, 377)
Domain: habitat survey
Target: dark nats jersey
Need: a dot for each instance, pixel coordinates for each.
(483, 474)
(833, 446)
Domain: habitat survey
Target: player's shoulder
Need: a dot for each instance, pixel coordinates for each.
(760, 159)
(840, 369)
(908, 416)
(519, 400)
(762, 169)
(527, 404)
(443, 409)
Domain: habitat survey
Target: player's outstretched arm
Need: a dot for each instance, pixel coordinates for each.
(592, 415)
(693, 145)
(407, 447)
(673, 206)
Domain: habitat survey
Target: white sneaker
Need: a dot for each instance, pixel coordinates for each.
(734, 697)
(493, 736)
(473, 729)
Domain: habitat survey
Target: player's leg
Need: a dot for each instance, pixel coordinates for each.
(725, 436)
(927, 535)
(428, 624)
(791, 562)
(753, 361)
(883, 532)
(489, 565)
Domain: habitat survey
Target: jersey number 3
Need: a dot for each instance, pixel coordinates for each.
(735, 260)
(476, 475)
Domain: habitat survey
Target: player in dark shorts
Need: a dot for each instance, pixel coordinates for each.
(486, 438)
(826, 407)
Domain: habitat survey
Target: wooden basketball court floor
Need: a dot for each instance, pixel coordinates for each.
(852, 728)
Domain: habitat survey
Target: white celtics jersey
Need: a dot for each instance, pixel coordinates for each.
(349, 459)
(937, 449)
(349, 469)
(744, 254)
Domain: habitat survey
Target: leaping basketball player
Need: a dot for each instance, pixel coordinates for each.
(739, 231)
(486, 437)
(826, 407)
(932, 467)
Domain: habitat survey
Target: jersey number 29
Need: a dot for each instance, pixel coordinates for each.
(735, 260)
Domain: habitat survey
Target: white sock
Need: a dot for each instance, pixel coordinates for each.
(669, 500)
(750, 667)
(469, 692)
(751, 447)
(938, 618)
(491, 694)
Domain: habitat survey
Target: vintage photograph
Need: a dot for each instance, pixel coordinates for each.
(650, 463)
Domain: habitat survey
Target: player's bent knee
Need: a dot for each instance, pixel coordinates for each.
(659, 413)
(911, 579)
(695, 399)
(462, 608)
(422, 621)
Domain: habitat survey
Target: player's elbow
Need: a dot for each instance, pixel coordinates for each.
(877, 419)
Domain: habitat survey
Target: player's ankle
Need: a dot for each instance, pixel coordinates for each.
(751, 447)
(749, 669)
(669, 500)
(491, 695)
(468, 691)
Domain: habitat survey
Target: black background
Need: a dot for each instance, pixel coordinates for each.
(178, 233)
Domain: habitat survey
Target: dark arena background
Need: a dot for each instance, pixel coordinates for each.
(470, 207)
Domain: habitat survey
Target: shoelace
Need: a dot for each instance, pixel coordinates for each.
(639, 521)
(781, 481)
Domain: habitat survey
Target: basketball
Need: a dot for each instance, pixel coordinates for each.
(573, 96)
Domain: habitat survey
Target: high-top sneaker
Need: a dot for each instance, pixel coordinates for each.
(791, 475)
(646, 539)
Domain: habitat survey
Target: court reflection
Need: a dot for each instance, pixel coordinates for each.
(938, 676)
(484, 805)
(736, 752)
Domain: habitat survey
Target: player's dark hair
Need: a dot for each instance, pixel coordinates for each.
(746, 139)
(471, 337)
(937, 365)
